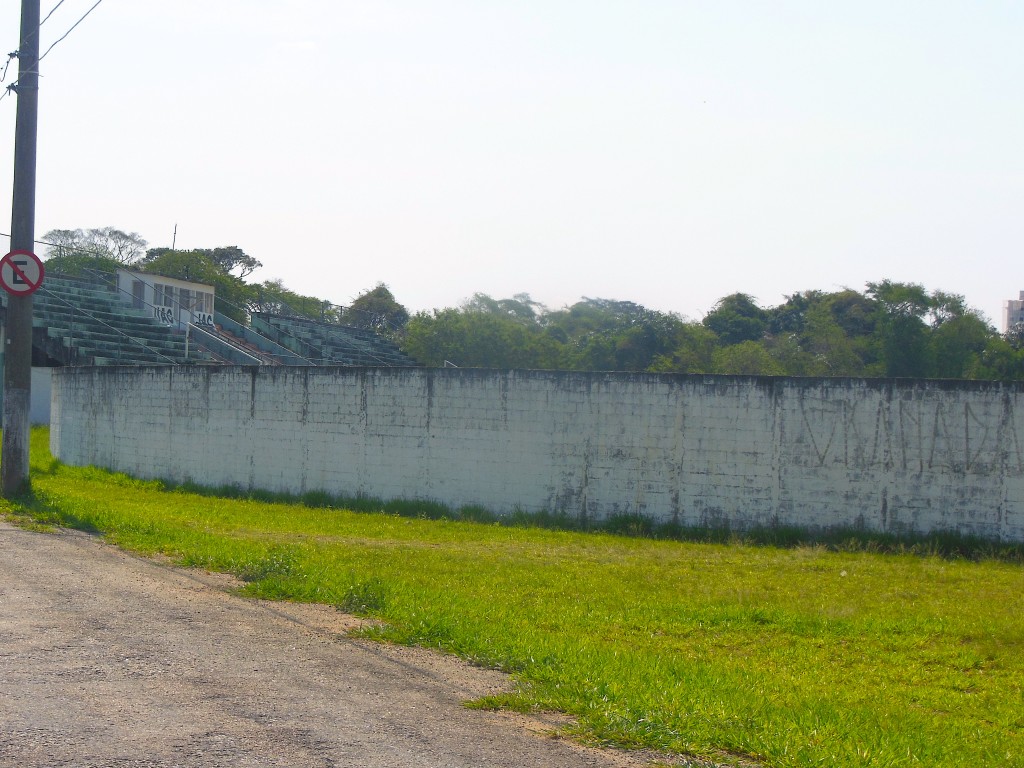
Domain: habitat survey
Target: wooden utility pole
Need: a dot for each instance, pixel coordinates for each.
(14, 477)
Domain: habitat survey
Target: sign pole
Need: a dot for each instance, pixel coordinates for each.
(14, 476)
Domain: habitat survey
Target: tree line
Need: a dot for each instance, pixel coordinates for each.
(889, 329)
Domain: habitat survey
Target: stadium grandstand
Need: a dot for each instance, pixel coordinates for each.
(131, 318)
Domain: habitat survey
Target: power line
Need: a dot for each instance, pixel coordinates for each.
(72, 26)
(14, 54)
(58, 5)
(14, 86)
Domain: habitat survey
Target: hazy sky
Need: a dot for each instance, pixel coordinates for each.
(668, 153)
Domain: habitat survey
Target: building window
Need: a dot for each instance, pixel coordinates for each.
(165, 295)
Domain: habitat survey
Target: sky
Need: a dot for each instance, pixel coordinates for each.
(667, 153)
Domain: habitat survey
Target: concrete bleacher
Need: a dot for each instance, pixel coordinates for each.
(328, 343)
(82, 322)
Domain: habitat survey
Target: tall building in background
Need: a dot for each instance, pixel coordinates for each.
(1013, 312)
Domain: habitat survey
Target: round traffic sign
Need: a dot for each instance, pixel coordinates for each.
(21, 272)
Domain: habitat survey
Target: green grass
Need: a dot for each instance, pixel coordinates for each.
(790, 656)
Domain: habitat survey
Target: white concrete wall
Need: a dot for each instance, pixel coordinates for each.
(39, 399)
(744, 451)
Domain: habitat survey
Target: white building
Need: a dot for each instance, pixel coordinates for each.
(1013, 312)
(172, 302)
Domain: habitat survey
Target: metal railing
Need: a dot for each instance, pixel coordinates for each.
(235, 349)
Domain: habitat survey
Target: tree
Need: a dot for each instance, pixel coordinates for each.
(737, 318)
(695, 346)
(102, 242)
(791, 316)
(473, 339)
(835, 351)
(748, 358)
(377, 310)
(272, 297)
(901, 328)
(1001, 361)
(957, 346)
(226, 259)
(610, 335)
(519, 307)
(233, 296)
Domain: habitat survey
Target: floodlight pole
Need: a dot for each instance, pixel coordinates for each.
(14, 477)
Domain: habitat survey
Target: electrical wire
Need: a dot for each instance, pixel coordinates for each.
(10, 57)
(14, 54)
(13, 86)
(72, 27)
(58, 5)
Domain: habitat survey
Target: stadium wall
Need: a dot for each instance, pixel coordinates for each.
(883, 455)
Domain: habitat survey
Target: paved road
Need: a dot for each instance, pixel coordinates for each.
(111, 660)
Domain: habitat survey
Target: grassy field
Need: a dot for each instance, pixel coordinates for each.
(795, 656)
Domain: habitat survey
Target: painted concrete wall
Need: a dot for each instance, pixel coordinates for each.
(885, 455)
(40, 396)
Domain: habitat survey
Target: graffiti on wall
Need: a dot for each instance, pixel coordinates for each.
(164, 315)
(914, 436)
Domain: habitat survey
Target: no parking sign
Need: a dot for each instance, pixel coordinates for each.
(21, 272)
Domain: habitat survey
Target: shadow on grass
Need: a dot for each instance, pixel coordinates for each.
(36, 509)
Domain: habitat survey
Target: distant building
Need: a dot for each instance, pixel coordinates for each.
(1013, 312)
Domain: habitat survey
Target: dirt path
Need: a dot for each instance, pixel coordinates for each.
(111, 660)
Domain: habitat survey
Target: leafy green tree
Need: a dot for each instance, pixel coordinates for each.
(226, 259)
(737, 318)
(957, 346)
(901, 327)
(855, 313)
(79, 264)
(272, 297)
(792, 357)
(1001, 361)
(836, 351)
(604, 334)
(233, 296)
(473, 339)
(748, 358)
(377, 309)
(519, 307)
(791, 315)
(693, 350)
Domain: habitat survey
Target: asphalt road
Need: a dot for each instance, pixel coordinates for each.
(107, 659)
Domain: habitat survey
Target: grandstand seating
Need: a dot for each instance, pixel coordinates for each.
(82, 321)
(328, 343)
